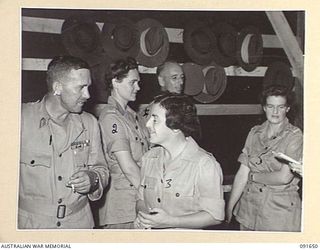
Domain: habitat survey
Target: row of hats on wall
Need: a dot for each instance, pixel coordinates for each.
(148, 42)
(210, 48)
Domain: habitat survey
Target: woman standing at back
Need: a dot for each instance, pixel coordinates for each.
(125, 141)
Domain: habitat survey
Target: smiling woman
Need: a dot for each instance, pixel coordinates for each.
(181, 184)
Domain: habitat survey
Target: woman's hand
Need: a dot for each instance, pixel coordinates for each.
(157, 218)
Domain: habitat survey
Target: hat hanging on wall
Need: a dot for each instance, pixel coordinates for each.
(154, 43)
(249, 48)
(120, 38)
(226, 37)
(215, 83)
(81, 38)
(194, 78)
(278, 73)
(199, 42)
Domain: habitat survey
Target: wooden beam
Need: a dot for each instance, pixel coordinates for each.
(288, 41)
(226, 109)
(41, 64)
(229, 109)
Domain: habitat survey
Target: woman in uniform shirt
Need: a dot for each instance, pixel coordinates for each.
(181, 184)
(125, 141)
(265, 195)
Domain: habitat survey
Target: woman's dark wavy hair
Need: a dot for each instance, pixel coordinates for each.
(119, 70)
(277, 90)
(181, 113)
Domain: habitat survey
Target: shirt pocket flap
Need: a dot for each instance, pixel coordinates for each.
(150, 182)
(34, 159)
(122, 184)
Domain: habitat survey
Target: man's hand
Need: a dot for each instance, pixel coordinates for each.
(82, 181)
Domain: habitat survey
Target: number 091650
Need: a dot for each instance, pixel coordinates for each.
(305, 245)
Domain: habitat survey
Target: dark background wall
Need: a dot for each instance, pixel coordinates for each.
(223, 136)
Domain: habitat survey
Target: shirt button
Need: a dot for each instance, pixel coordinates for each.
(32, 162)
(59, 178)
(136, 127)
(159, 200)
(177, 195)
(58, 223)
(60, 200)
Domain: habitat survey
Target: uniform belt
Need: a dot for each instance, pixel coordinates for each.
(61, 210)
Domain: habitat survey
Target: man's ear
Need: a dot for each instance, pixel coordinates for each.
(161, 81)
(57, 88)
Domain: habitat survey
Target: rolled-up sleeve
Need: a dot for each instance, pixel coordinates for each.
(244, 156)
(97, 162)
(113, 134)
(295, 145)
(209, 185)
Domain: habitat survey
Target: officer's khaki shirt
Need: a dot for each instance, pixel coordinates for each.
(45, 168)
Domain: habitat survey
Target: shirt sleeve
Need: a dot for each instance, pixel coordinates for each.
(244, 156)
(209, 185)
(295, 145)
(114, 135)
(139, 195)
(97, 162)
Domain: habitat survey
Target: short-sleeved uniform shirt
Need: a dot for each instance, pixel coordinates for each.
(121, 130)
(268, 207)
(190, 184)
(49, 156)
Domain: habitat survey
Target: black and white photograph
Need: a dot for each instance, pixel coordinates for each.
(163, 120)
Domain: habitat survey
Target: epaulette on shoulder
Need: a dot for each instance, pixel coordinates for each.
(109, 109)
(294, 129)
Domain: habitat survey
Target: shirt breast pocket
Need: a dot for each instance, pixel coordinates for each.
(35, 173)
(35, 158)
(182, 190)
(122, 183)
(80, 152)
(183, 198)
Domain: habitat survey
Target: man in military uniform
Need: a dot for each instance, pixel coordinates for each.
(170, 78)
(61, 163)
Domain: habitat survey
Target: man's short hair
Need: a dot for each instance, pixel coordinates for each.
(61, 65)
(162, 67)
